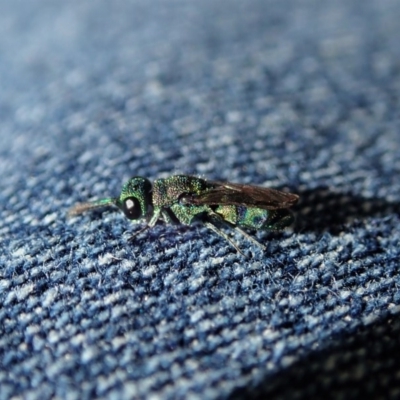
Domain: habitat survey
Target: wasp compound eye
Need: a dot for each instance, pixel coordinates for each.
(131, 208)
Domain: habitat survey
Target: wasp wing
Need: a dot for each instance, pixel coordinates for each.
(225, 193)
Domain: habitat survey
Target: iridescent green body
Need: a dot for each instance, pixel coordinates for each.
(255, 218)
(167, 193)
(185, 199)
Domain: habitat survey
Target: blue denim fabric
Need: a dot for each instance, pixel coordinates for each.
(302, 96)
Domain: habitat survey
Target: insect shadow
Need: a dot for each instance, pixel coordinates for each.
(320, 210)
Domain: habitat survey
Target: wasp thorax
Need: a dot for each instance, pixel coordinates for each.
(135, 197)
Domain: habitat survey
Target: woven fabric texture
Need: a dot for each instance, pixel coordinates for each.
(301, 96)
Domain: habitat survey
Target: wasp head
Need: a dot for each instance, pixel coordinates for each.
(135, 198)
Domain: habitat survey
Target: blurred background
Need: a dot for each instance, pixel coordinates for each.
(297, 95)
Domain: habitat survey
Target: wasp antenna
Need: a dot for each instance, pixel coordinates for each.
(83, 207)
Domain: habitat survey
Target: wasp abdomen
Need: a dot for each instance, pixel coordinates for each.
(255, 218)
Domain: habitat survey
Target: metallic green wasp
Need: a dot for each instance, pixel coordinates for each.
(185, 199)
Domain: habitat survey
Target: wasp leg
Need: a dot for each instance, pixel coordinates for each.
(167, 218)
(150, 224)
(154, 218)
(134, 234)
(247, 236)
(211, 226)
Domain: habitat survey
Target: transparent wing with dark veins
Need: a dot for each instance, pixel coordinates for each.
(225, 193)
